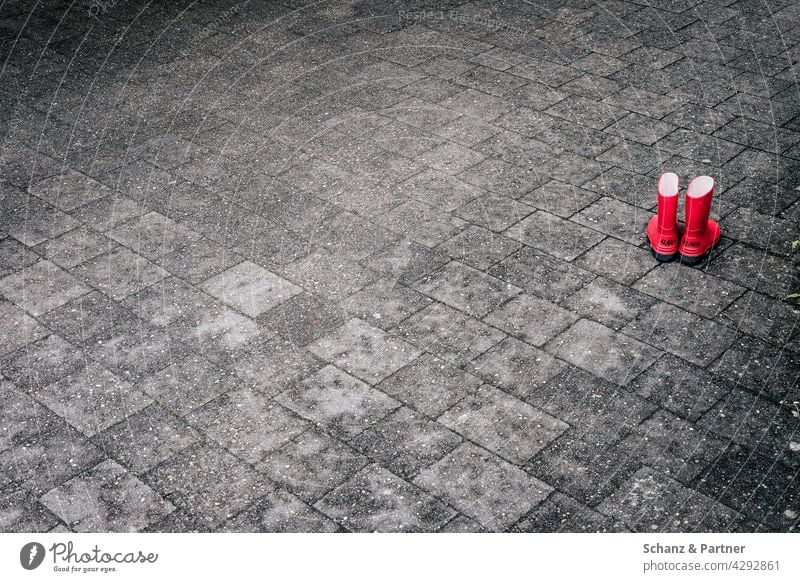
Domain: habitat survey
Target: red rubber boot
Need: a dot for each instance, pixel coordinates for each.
(701, 233)
(662, 230)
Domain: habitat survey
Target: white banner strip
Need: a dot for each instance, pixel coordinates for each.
(379, 557)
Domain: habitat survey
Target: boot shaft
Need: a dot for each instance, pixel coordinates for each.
(668, 187)
(699, 196)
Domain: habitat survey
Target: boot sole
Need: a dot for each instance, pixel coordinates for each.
(663, 258)
(694, 261)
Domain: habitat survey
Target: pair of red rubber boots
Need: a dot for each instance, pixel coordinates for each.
(700, 233)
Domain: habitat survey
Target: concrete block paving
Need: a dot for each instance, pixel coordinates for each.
(361, 270)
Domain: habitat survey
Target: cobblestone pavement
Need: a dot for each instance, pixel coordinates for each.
(380, 266)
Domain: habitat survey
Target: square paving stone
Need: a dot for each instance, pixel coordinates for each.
(106, 498)
(304, 318)
(120, 273)
(21, 512)
(406, 442)
(608, 303)
(492, 491)
(495, 212)
(312, 464)
(759, 230)
(554, 235)
(21, 417)
(561, 513)
(153, 235)
(146, 438)
(365, 351)
(559, 198)
(280, 512)
(448, 333)
(587, 112)
(586, 470)
(681, 333)
(93, 399)
(32, 221)
(768, 319)
(385, 303)
(541, 274)
(598, 411)
(47, 460)
(406, 261)
(14, 256)
(531, 319)
(429, 385)
(135, 352)
(329, 275)
(376, 500)
(673, 446)
(247, 423)
(755, 269)
(43, 362)
(617, 260)
(88, 316)
(615, 218)
(691, 289)
(168, 300)
(250, 288)
(625, 186)
(188, 384)
(342, 404)
(19, 328)
(217, 333)
(271, 363)
(680, 387)
(764, 490)
(503, 424)
(650, 502)
(210, 483)
(503, 178)
(199, 260)
(74, 247)
(350, 235)
(69, 190)
(41, 287)
(479, 248)
(603, 352)
(466, 289)
(477, 104)
(439, 189)
(108, 212)
(422, 223)
(757, 423)
(516, 367)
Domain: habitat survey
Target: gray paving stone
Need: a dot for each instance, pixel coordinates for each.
(584, 469)
(421, 223)
(108, 212)
(680, 387)
(541, 274)
(312, 464)
(337, 401)
(93, 399)
(376, 500)
(135, 352)
(146, 438)
(493, 211)
(554, 235)
(503, 424)
(607, 302)
(470, 480)
(561, 513)
(88, 316)
(199, 260)
(559, 199)
(429, 385)
(74, 247)
(406, 442)
(120, 273)
(14, 256)
(328, 275)
(41, 287)
(169, 300)
(22, 417)
(587, 112)
(603, 352)
(448, 333)
(754, 269)
(385, 303)
(31, 221)
(681, 333)
(503, 178)
(625, 186)
(49, 459)
(598, 411)
(280, 512)
(768, 319)
(650, 502)
(531, 319)
(615, 218)
(106, 498)
(406, 262)
(20, 512)
(210, 483)
(479, 248)
(153, 235)
(365, 351)
(303, 318)
(217, 332)
(246, 423)
(69, 190)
